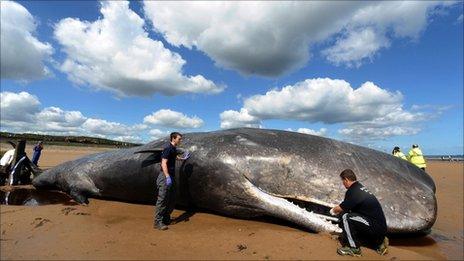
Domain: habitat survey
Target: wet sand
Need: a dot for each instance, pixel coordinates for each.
(116, 230)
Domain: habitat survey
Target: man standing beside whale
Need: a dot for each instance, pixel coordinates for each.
(166, 183)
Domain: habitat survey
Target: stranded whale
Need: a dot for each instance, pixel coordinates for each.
(249, 172)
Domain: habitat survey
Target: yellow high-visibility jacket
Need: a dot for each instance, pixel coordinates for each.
(400, 154)
(415, 157)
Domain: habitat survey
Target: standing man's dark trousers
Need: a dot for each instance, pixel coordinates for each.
(166, 200)
(358, 230)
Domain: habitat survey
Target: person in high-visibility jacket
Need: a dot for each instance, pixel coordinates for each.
(416, 157)
(397, 153)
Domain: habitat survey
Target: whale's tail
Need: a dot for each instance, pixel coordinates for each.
(80, 189)
(45, 180)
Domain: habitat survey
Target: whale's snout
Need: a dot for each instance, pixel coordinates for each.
(417, 214)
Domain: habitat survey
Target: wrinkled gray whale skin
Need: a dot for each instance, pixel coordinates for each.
(248, 172)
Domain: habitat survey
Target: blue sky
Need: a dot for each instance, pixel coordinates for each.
(378, 74)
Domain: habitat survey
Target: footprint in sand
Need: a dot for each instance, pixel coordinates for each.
(241, 247)
(82, 214)
(38, 222)
(67, 210)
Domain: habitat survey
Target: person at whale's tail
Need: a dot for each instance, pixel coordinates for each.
(166, 182)
(363, 220)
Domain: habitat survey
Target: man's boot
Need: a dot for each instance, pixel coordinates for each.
(161, 226)
(383, 248)
(349, 251)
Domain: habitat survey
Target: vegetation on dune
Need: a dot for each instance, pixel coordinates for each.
(63, 140)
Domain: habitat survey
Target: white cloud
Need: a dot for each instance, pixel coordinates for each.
(364, 132)
(397, 122)
(133, 139)
(272, 38)
(105, 127)
(460, 18)
(372, 28)
(357, 46)
(157, 134)
(115, 53)
(264, 38)
(320, 132)
(21, 112)
(234, 119)
(367, 112)
(56, 120)
(65, 118)
(173, 119)
(18, 107)
(324, 100)
(23, 55)
(139, 127)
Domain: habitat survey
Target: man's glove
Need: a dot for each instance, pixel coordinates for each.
(186, 155)
(168, 181)
(332, 212)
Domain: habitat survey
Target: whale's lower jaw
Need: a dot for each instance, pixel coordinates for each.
(287, 210)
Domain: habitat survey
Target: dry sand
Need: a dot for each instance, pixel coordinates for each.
(115, 230)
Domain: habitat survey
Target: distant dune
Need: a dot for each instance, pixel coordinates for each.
(64, 140)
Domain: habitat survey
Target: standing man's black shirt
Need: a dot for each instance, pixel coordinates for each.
(170, 153)
(360, 200)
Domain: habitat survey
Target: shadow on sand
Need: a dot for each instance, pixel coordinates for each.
(184, 217)
(28, 196)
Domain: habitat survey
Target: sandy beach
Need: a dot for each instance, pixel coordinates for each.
(116, 230)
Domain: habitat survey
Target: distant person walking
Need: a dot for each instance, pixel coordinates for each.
(166, 182)
(397, 153)
(37, 151)
(416, 157)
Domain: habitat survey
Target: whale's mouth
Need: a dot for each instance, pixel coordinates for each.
(307, 213)
(320, 210)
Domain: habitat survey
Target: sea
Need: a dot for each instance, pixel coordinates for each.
(445, 157)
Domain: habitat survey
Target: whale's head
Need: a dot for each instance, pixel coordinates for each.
(296, 177)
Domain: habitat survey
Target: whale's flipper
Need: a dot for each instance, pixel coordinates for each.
(82, 189)
(78, 196)
(151, 159)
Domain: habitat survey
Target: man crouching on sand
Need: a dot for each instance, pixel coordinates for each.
(166, 182)
(363, 218)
